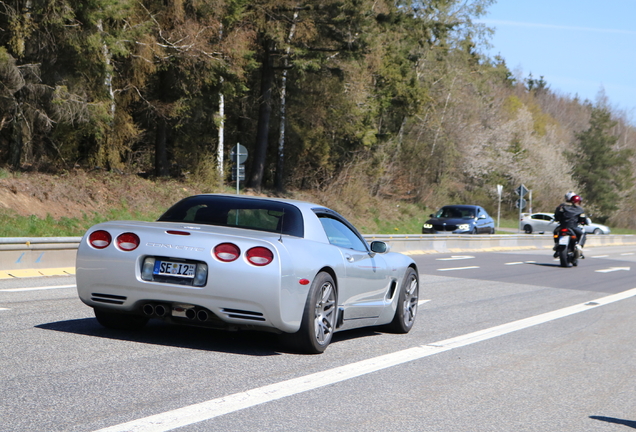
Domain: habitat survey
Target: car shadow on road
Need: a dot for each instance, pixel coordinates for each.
(628, 423)
(244, 342)
(159, 333)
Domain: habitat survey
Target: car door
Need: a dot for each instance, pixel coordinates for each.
(542, 222)
(483, 221)
(362, 291)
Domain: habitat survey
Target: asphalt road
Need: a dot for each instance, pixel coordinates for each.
(503, 342)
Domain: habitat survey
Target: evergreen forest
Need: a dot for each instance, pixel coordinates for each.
(382, 98)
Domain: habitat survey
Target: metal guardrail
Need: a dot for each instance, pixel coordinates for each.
(59, 252)
(18, 253)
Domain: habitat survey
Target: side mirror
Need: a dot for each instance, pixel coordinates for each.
(482, 216)
(379, 247)
(431, 215)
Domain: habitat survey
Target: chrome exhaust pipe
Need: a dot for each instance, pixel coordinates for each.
(202, 315)
(161, 310)
(148, 309)
(191, 314)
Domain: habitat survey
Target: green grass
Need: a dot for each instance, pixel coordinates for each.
(12, 225)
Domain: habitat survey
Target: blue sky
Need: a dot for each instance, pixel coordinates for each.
(578, 46)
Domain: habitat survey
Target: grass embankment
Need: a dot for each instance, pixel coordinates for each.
(80, 201)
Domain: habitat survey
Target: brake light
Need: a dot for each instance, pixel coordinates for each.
(128, 241)
(99, 239)
(227, 252)
(259, 256)
(177, 232)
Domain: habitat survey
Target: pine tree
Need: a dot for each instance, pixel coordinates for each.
(602, 170)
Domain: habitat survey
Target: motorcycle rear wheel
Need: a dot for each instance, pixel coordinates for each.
(563, 257)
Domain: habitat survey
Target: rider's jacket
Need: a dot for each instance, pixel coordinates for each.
(569, 215)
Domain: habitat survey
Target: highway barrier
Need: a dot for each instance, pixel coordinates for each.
(21, 256)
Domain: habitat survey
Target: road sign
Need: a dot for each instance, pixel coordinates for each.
(521, 191)
(241, 172)
(520, 203)
(239, 154)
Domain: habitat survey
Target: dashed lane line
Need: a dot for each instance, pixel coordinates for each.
(41, 288)
(458, 268)
(456, 257)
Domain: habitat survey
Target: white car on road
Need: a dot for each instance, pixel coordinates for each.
(544, 222)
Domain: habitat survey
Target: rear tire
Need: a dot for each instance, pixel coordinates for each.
(598, 231)
(319, 317)
(528, 229)
(407, 304)
(120, 321)
(563, 257)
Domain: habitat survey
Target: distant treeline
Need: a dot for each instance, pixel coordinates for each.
(378, 97)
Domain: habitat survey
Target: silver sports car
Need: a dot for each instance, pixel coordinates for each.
(233, 261)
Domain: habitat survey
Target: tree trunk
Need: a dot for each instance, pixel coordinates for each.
(161, 149)
(267, 78)
(280, 162)
(15, 152)
(219, 149)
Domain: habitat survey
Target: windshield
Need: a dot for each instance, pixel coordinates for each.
(261, 215)
(455, 213)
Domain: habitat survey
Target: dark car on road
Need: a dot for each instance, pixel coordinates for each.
(460, 219)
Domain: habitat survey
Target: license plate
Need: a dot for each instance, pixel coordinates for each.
(565, 240)
(169, 268)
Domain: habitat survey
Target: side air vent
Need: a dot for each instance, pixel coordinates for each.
(241, 314)
(108, 298)
(391, 292)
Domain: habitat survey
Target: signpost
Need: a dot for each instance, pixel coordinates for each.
(499, 190)
(239, 156)
(521, 203)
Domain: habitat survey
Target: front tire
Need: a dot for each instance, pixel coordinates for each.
(119, 321)
(598, 231)
(319, 316)
(407, 304)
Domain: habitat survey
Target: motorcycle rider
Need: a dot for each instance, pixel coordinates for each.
(570, 215)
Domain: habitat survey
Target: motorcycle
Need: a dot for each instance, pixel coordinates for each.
(566, 247)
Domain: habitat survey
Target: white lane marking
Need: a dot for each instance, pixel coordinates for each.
(458, 268)
(612, 269)
(37, 288)
(1, 309)
(515, 263)
(628, 253)
(600, 256)
(227, 404)
(456, 257)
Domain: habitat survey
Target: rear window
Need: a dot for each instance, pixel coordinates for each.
(260, 215)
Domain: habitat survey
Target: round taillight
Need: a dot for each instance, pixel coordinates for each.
(99, 239)
(227, 252)
(127, 241)
(259, 256)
